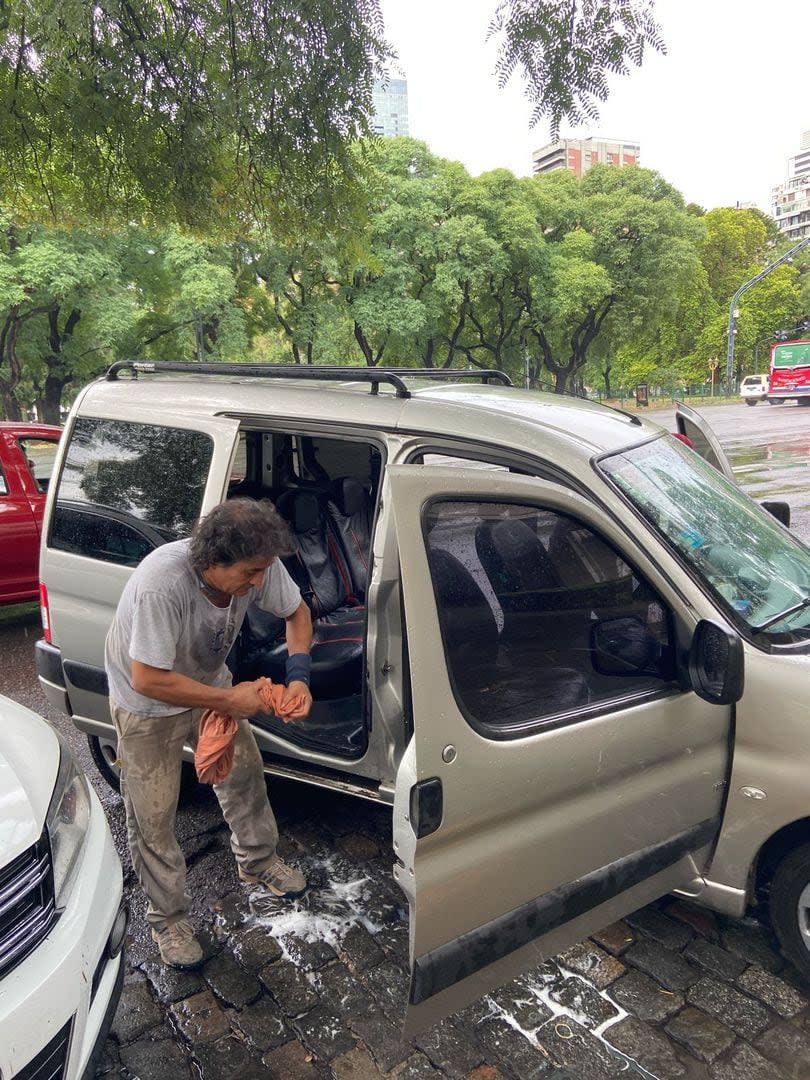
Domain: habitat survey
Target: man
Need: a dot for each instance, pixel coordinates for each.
(165, 658)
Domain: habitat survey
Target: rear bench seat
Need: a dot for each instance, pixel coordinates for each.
(322, 571)
(350, 513)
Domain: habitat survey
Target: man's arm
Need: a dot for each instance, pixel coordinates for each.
(175, 689)
(299, 640)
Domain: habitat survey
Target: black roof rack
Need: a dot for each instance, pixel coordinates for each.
(374, 375)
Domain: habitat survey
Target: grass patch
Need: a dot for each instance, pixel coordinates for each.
(27, 613)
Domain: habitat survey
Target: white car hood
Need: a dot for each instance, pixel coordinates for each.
(29, 760)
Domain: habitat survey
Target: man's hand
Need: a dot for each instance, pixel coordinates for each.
(243, 699)
(294, 690)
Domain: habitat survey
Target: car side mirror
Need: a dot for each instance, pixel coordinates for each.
(716, 664)
(780, 510)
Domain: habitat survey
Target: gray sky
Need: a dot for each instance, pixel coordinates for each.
(718, 116)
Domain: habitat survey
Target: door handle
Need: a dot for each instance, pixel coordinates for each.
(426, 806)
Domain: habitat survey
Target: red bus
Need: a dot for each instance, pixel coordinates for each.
(789, 378)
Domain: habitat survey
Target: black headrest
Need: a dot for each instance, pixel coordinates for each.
(348, 495)
(301, 509)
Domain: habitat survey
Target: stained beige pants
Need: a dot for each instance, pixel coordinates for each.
(150, 750)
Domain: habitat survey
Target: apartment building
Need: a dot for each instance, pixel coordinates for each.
(579, 155)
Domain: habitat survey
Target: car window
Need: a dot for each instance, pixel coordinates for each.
(126, 487)
(100, 536)
(542, 621)
(40, 454)
(755, 568)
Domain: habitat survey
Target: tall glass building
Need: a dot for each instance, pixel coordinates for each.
(390, 107)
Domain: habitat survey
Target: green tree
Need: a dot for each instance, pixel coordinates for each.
(244, 113)
(622, 248)
(567, 49)
(52, 281)
(734, 249)
(408, 294)
(190, 296)
(772, 303)
(228, 113)
(74, 300)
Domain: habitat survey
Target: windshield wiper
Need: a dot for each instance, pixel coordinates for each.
(802, 604)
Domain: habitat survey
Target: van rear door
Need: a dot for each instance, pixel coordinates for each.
(124, 487)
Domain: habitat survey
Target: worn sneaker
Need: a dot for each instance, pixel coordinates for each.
(178, 946)
(277, 878)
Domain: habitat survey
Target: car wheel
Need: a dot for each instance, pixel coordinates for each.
(776, 401)
(750, 401)
(790, 907)
(104, 749)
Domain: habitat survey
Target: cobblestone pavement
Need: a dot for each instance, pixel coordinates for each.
(314, 988)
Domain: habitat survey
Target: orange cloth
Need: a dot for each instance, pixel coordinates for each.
(213, 758)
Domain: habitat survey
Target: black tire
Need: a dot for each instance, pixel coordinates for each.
(789, 905)
(803, 401)
(104, 749)
(750, 401)
(776, 401)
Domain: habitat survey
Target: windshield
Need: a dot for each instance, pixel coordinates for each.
(753, 566)
(794, 354)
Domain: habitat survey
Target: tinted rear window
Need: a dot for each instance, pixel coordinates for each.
(126, 488)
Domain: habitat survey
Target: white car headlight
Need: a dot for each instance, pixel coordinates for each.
(67, 821)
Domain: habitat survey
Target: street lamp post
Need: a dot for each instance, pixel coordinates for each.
(732, 311)
(714, 363)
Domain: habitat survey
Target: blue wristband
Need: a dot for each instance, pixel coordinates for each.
(298, 667)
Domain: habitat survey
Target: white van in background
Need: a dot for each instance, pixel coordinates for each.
(754, 388)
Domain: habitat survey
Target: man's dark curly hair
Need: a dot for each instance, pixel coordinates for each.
(239, 529)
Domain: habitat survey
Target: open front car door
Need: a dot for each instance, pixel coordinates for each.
(690, 423)
(559, 775)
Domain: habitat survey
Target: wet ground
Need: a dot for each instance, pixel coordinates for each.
(315, 988)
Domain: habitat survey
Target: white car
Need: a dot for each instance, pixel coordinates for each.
(62, 918)
(754, 388)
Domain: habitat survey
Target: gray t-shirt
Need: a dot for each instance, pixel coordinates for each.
(165, 620)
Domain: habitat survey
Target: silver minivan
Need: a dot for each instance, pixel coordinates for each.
(570, 653)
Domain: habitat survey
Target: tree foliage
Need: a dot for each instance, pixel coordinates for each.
(244, 113)
(491, 271)
(566, 50)
(73, 300)
(608, 280)
(224, 111)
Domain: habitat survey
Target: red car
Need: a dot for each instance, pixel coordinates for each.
(27, 453)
